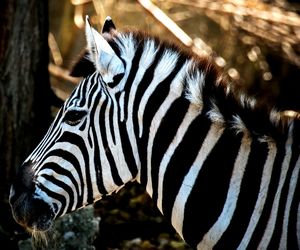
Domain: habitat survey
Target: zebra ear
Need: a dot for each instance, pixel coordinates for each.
(102, 55)
(108, 25)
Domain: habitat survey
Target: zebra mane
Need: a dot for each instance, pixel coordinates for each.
(224, 102)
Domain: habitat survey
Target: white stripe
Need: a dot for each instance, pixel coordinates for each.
(121, 105)
(187, 120)
(217, 230)
(74, 150)
(90, 148)
(163, 69)
(117, 148)
(67, 166)
(39, 194)
(263, 190)
(64, 179)
(210, 141)
(93, 172)
(105, 166)
(195, 83)
(56, 189)
(143, 65)
(292, 187)
(43, 146)
(36, 151)
(128, 46)
(272, 220)
(176, 89)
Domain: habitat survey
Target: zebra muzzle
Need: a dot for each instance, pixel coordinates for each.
(28, 209)
(32, 213)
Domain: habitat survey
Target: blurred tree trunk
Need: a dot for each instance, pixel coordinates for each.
(24, 86)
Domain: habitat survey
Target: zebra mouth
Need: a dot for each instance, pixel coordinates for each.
(43, 224)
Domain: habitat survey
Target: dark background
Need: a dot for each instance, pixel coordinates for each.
(257, 43)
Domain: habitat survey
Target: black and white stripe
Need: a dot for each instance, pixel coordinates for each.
(223, 171)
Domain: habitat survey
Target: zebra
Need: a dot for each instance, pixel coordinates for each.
(221, 168)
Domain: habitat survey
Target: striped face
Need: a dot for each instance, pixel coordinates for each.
(79, 160)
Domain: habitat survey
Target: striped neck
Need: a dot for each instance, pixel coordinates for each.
(161, 78)
(157, 68)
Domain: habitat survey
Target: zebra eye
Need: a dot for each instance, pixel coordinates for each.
(74, 117)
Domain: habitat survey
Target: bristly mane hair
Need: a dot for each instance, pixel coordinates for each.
(224, 102)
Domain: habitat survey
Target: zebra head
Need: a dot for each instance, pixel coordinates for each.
(72, 166)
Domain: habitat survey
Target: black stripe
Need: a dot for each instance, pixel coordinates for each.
(90, 138)
(206, 200)
(111, 121)
(56, 123)
(275, 240)
(143, 85)
(110, 113)
(49, 135)
(132, 74)
(83, 90)
(56, 196)
(64, 172)
(83, 125)
(113, 168)
(94, 89)
(97, 161)
(156, 99)
(182, 160)
(127, 149)
(75, 94)
(64, 187)
(150, 110)
(78, 141)
(66, 155)
(275, 177)
(248, 195)
(292, 239)
(163, 138)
